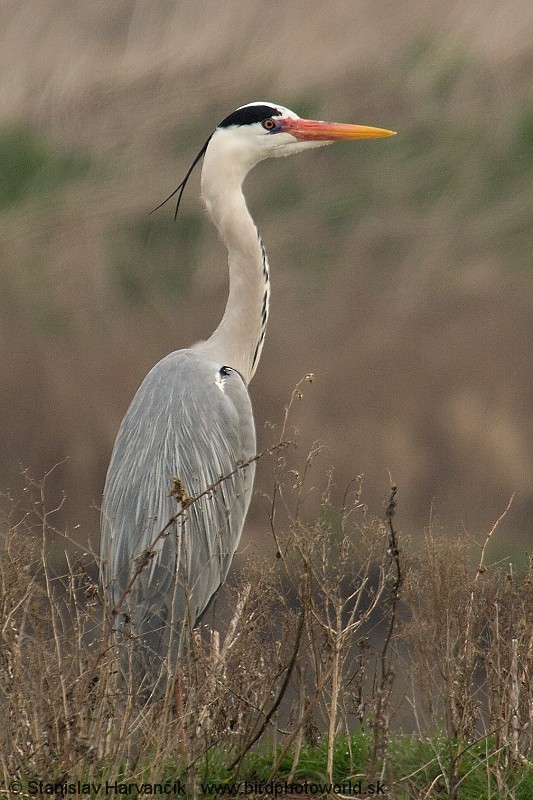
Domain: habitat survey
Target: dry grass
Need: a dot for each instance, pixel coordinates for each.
(470, 653)
(410, 258)
(281, 665)
(315, 646)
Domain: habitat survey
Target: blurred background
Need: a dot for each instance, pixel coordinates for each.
(401, 268)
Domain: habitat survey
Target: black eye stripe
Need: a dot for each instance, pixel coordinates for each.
(250, 114)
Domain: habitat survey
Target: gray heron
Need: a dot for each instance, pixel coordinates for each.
(189, 431)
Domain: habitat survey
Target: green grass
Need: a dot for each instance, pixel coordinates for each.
(30, 166)
(415, 767)
(155, 256)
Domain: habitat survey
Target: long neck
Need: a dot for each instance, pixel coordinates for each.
(238, 340)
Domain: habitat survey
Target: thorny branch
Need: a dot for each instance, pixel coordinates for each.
(394, 555)
(275, 705)
(386, 672)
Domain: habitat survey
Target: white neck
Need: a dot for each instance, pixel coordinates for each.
(238, 340)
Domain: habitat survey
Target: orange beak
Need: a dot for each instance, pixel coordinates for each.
(311, 130)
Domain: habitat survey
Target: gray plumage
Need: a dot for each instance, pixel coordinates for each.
(187, 406)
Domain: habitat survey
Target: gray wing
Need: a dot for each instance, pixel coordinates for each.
(190, 419)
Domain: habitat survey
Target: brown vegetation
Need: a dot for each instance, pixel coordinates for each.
(350, 627)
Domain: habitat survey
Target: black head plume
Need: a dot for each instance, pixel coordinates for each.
(245, 115)
(183, 184)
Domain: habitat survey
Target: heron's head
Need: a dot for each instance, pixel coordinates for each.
(259, 130)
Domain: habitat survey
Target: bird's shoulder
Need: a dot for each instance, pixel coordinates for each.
(191, 366)
(187, 386)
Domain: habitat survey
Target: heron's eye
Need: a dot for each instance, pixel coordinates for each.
(268, 124)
